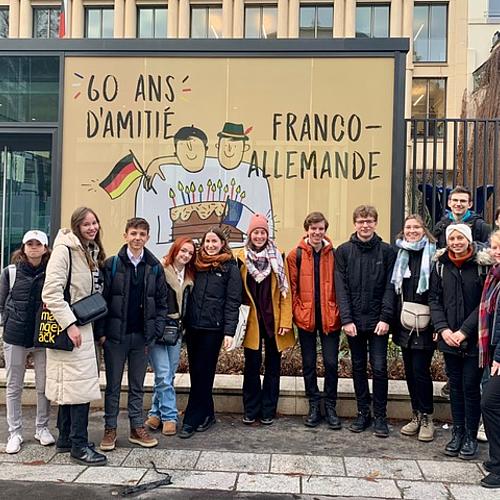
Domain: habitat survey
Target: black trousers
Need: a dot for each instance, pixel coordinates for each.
(262, 400)
(361, 345)
(330, 352)
(203, 352)
(72, 422)
(490, 406)
(418, 378)
(465, 376)
(133, 351)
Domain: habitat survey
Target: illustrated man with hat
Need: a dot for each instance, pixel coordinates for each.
(232, 145)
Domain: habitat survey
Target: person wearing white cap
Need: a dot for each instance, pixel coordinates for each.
(455, 294)
(20, 298)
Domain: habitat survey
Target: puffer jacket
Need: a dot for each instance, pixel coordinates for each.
(480, 229)
(303, 305)
(19, 306)
(454, 297)
(155, 304)
(72, 376)
(400, 335)
(215, 300)
(363, 273)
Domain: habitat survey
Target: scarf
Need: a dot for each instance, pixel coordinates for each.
(460, 261)
(487, 306)
(466, 217)
(402, 270)
(260, 263)
(205, 262)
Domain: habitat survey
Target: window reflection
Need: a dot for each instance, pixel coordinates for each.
(46, 22)
(261, 22)
(372, 21)
(316, 21)
(4, 22)
(99, 22)
(429, 33)
(152, 22)
(206, 22)
(428, 101)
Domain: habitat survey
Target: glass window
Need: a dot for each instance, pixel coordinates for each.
(46, 22)
(29, 89)
(99, 22)
(494, 8)
(372, 21)
(261, 22)
(429, 32)
(206, 22)
(316, 21)
(428, 101)
(4, 22)
(152, 22)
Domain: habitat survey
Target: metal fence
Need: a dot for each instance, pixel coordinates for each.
(443, 153)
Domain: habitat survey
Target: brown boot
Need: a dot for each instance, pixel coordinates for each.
(169, 428)
(108, 442)
(413, 426)
(141, 437)
(426, 432)
(153, 423)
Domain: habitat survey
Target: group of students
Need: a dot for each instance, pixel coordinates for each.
(359, 288)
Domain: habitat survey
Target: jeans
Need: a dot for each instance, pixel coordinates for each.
(330, 352)
(418, 378)
(203, 352)
(262, 400)
(164, 359)
(72, 422)
(465, 376)
(132, 350)
(15, 365)
(376, 345)
(490, 406)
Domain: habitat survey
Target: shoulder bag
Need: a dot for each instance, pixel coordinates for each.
(415, 316)
(241, 328)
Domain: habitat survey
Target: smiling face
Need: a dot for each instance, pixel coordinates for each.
(89, 227)
(316, 233)
(212, 244)
(365, 227)
(191, 153)
(458, 243)
(258, 238)
(184, 255)
(413, 231)
(230, 152)
(459, 203)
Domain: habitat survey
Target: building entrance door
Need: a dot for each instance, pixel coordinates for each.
(25, 187)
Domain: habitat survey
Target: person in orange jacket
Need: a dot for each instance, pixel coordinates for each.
(311, 267)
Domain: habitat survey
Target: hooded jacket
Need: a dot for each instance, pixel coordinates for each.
(181, 292)
(480, 229)
(454, 297)
(363, 273)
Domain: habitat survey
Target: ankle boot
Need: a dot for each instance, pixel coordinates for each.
(470, 447)
(452, 449)
(314, 416)
(426, 432)
(331, 416)
(413, 426)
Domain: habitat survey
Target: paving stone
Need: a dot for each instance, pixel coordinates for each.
(52, 473)
(195, 479)
(30, 453)
(419, 490)
(384, 468)
(172, 459)
(233, 462)
(473, 492)
(307, 465)
(450, 471)
(126, 476)
(115, 457)
(350, 487)
(268, 483)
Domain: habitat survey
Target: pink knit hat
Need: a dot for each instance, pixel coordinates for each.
(258, 221)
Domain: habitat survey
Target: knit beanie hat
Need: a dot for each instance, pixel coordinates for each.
(258, 221)
(461, 228)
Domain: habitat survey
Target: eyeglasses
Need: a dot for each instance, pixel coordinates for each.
(456, 200)
(367, 222)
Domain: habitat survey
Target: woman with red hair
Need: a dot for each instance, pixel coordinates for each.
(179, 272)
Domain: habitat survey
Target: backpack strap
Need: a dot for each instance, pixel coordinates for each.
(12, 275)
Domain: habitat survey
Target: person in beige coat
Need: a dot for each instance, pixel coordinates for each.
(72, 377)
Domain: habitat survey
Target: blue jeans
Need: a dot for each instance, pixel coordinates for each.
(164, 360)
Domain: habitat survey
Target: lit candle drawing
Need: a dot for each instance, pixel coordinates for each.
(226, 190)
(233, 183)
(171, 194)
(180, 187)
(219, 187)
(186, 188)
(238, 190)
(200, 190)
(209, 185)
(213, 192)
(192, 188)
(242, 195)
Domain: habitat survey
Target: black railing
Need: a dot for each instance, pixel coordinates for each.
(448, 152)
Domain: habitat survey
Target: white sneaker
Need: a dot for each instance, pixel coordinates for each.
(14, 443)
(481, 434)
(44, 436)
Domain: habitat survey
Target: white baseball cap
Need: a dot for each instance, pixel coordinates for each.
(34, 234)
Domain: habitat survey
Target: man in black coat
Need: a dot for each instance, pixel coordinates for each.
(366, 301)
(136, 292)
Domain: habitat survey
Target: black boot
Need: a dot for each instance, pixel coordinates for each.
(361, 422)
(452, 449)
(88, 456)
(331, 416)
(314, 416)
(469, 448)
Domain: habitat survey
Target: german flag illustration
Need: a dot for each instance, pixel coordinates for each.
(124, 173)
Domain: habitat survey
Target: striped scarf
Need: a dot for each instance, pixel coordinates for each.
(489, 299)
(259, 265)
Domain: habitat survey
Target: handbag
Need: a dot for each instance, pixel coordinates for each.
(48, 332)
(415, 316)
(241, 328)
(170, 336)
(89, 309)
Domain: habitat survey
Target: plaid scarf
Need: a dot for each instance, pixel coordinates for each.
(489, 299)
(402, 270)
(259, 265)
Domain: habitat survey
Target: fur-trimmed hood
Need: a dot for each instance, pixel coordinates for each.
(481, 255)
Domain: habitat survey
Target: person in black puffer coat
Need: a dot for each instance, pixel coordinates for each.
(19, 304)
(411, 276)
(455, 293)
(211, 319)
